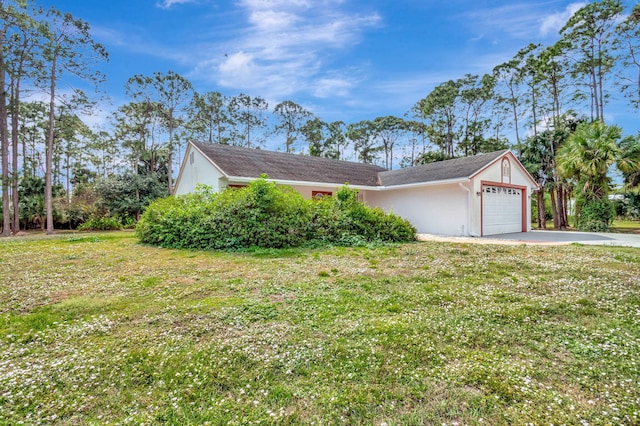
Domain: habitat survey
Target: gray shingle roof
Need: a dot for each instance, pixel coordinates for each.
(251, 163)
(456, 168)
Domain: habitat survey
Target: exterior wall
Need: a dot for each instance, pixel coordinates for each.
(306, 191)
(436, 209)
(196, 169)
(493, 174)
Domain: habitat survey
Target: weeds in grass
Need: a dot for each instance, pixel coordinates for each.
(102, 330)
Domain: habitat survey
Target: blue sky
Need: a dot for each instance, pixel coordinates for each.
(341, 59)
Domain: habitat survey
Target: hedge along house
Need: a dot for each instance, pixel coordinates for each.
(485, 194)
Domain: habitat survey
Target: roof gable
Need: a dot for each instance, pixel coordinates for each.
(456, 168)
(236, 161)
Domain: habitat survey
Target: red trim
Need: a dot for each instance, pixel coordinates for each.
(314, 194)
(524, 210)
(513, 159)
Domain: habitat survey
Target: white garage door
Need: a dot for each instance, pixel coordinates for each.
(501, 210)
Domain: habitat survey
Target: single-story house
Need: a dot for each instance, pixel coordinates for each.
(485, 194)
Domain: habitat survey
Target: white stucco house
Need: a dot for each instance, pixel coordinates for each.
(486, 194)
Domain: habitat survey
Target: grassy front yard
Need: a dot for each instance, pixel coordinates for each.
(621, 226)
(97, 329)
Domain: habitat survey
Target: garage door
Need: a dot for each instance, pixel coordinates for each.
(501, 210)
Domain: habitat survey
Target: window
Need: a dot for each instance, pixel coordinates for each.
(506, 170)
(191, 158)
(235, 185)
(319, 194)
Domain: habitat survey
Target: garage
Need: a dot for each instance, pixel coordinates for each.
(502, 211)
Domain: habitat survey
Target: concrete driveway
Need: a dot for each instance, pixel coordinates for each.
(568, 237)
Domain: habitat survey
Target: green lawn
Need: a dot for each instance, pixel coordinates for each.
(95, 328)
(626, 226)
(622, 226)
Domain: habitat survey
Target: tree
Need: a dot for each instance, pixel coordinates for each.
(136, 126)
(336, 141)
(430, 157)
(291, 118)
(103, 152)
(627, 43)
(33, 119)
(209, 117)
(364, 139)
(537, 158)
(438, 108)
(21, 36)
(128, 194)
(589, 34)
(248, 115)
(586, 158)
(475, 94)
(168, 94)
(550, 69)
(417, 136)
(588, 155)
(68, 49)
(630, 150)
(388, 130)
(509, 90)
(4, 129)
(313, 132)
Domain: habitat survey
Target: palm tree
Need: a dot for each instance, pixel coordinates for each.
(588, 155)
(628, 161)
(586, 158)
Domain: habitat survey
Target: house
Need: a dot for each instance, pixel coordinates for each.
(486, 194)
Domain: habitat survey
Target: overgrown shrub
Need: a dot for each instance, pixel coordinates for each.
(596, 215)
(99, 223)
(127, 195)
(261, 215)
(342, 219)
(266, 215)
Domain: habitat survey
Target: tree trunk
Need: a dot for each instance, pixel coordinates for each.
(566, 207)
(170, 170)
(560, 209)
(554, 209)
(4, 140)
(48, 191)
(542, 214)
(14, 161)
(515, 122)
(67, 164)
(170, 158)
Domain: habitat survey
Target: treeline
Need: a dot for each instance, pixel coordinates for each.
(58, 171)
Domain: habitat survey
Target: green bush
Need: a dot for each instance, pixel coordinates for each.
(266, 215)
(96, 223)
(343, 220)
(259, 215)
(596, 215)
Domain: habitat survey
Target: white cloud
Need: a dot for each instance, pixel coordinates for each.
(285, 47)
(330, 87)
(238, 64)
(166, 4)
(554, 22)
(522, 21)
(269, 20)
